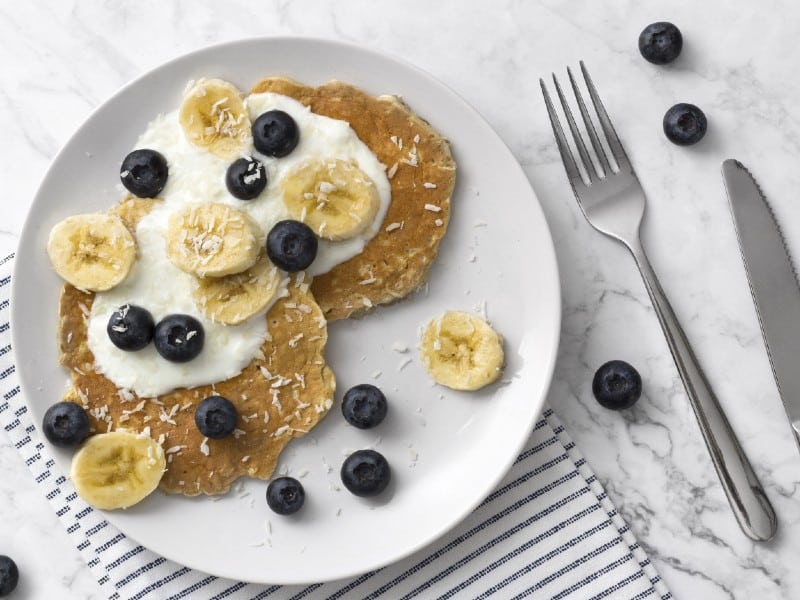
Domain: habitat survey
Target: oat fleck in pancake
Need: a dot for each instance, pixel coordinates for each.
(280, 395)
(422, 175)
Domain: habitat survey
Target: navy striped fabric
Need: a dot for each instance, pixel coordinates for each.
(548, 531)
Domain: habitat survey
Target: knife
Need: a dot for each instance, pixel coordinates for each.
(773, 282)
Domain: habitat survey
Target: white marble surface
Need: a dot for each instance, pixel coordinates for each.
(738, 64)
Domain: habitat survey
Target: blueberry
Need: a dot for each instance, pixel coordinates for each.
(291, 245)
(285, 495)
(365, 473)
(215, 417)
(685, 124)
(246, 178)
(275, 133)
(617, 385)
(130, 327)
(9, 575)
(144, 173)
(179, 338)
(660, 43)
(364, 406)
(65, 424)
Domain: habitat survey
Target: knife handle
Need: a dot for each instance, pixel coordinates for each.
(746, 496)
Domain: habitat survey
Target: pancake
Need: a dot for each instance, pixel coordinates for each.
(287, 388)
(422, 175)
(280, 395)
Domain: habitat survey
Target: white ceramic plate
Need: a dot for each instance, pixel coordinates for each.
(448, 450)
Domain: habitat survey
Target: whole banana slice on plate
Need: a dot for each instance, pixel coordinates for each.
(213, 116)
(93, 252)
(462, 351)
(233, 299)
(212, 240)
(117, 469)
(335, 198)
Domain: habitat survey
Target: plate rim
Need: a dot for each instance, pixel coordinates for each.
(554, 288)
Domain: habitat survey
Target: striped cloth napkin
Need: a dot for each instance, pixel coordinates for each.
(549, 530)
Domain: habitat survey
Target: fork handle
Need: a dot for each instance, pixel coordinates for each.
(745, 494)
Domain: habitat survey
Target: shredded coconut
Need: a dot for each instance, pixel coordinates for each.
(399, 347)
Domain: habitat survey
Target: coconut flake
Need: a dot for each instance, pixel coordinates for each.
(281, 430)
(399, 347)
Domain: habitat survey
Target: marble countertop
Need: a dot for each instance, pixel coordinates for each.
(738, 65)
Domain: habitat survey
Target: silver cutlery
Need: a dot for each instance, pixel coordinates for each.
(773, 282)
(613, 202)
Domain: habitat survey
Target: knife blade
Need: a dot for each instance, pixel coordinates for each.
(773, 282)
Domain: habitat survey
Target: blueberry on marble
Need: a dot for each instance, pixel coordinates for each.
(215, 417)
(275, 133)
(9, 575)
(685, 124)
(65, 424)
(365, 473)
(144, 173)
(179, 338)
(617, 385)
(285, 495)
(660, 43)
(364, 406)
(246, 178)
(291, 245)
(130, 327)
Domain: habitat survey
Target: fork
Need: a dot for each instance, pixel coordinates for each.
(613, 201)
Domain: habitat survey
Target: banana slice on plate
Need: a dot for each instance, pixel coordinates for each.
(212, 240)
(213, 116)
(233, 299)
(93, 252)
(333, 197)
(462, 351)
(117, 469)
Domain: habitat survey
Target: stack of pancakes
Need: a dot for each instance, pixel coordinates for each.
(287, 388)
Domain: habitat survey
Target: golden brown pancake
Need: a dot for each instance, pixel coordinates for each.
(396, 261)
(288, 388)
(280, 395)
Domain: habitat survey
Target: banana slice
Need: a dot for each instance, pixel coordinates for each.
(117, 469)
(333, 197)
(213, 116)
(462, 351)
(93, 252)
(234, 299)
(212, 240)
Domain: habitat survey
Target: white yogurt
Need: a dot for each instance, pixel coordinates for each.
(154, 283)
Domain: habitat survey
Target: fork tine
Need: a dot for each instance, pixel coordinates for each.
(611, 136)
(573, 173)
(576, 135)
(598, 147)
